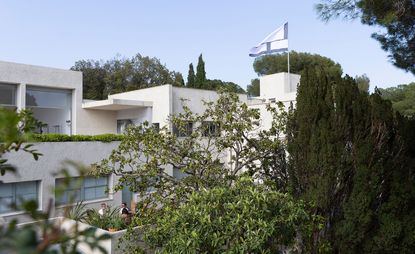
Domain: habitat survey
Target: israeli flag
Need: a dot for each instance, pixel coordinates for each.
(277, 41)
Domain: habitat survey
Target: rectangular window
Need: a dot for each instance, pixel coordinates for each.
(184, 131)
(210, 129)
(53, 107)
(12, 195)
(8, 95)
(90, 189)
(122, 125)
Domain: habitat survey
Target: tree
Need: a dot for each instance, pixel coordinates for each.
(253, 88)
(197, 150)
(397, 17)
(219, 85)
(191, 77)
(363, 83)
(200, 73)
(102, 78)
(402, 98)
(348, 157)
(270, 64)
(242, 218)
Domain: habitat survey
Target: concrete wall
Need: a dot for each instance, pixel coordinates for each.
(279, 86)
(54, 153)
(159, 95)
(83, 121)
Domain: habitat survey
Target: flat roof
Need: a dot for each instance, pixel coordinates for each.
(116, 104)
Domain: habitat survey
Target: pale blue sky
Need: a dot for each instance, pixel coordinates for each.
(57, 33)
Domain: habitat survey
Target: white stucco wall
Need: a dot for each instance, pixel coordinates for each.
(159, 95)
(54, 154)
(279, 86)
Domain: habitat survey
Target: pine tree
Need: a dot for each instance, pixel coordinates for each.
(200, 80)
(191, 76)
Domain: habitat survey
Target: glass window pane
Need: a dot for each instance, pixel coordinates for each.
(48, 98)
(102, 180)
(24, 188)
(6, 189)
(90, 193)
(5, 204)
(100, 192)
(7, 94)
(90, 181)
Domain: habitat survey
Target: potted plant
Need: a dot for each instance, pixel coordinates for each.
(115, 224)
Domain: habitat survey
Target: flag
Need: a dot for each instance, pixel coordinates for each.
(277, 41)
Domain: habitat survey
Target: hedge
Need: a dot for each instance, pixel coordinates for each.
(69, 138)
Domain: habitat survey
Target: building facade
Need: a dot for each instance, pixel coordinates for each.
(55, 98)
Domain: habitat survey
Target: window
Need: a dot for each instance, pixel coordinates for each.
(210, 129)
(90, 189)
(156, 127)
(52, 107)
(8, 95)
(184, 131)
(12, 195)
(122, 125)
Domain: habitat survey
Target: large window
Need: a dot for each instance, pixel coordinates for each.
(53, 107)
(90, 189)
(13, 194)
(210, 129)
(8, 95)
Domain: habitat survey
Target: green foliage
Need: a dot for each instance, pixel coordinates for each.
(191, 77)
(200, 81)
(120, 75)
(253, 88)
(363, 83)
(14, 132)
(73, 138)
(76, 212)
(110, 219)
(200, 73)
(299, 61)
(242, 218)
(397, 17)
(348, 157)
(402, 98)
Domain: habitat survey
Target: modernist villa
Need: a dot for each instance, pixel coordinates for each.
(55, 97)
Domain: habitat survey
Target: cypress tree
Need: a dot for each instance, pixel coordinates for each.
(347, 158)
(200, 80)
(191, 76)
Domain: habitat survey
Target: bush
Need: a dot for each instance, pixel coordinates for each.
(70, 138)
(243, 218)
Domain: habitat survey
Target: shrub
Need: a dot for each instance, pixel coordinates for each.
(70, 138)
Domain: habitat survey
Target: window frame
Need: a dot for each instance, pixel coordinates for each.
(82, 190)
(14, 95)
(16, 198)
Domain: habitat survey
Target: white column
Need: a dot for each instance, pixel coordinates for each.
(21, 97)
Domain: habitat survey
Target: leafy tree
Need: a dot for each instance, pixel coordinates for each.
(402, 98)
(346, 157)
(397, 17)
(200, 73)
(191, 77)
(242, 218)
(253, 88)
(218, 85)
(299, 61)
(200, 158)
(363, 83)
(102, 78)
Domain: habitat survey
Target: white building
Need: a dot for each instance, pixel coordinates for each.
(55, 97)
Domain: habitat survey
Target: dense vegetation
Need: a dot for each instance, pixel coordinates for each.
(74, 138)
(402, 98)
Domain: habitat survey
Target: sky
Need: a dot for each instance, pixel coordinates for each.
(58, 33)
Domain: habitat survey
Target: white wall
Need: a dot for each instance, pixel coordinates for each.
(54, 153)
(83, 121)
(279, 86)
(159, 95)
